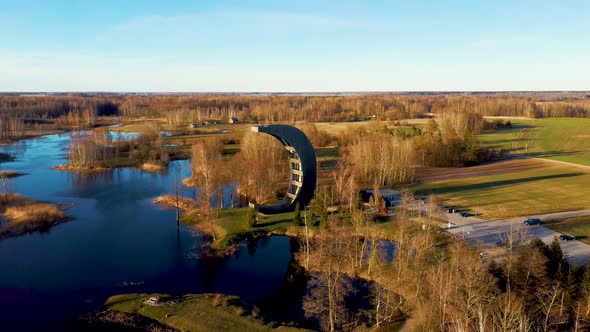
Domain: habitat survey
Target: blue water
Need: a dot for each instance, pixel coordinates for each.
(117, 237)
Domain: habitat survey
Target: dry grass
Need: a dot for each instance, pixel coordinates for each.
(34, 213)
(10, 174)
(152, 167)
(169, 201)
(25, 215)
(82, 169)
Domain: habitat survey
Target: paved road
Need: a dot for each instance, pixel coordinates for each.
(485, 233)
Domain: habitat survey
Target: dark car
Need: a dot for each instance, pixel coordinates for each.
(566, 237)
(449, 209)
(532, 221)
(465, 214)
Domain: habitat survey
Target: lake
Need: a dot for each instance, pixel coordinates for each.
(118, 242)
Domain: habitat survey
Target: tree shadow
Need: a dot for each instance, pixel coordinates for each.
(493, 184)
(272, 223)
(500, 141)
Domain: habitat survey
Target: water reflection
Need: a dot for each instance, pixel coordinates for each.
(118, 241)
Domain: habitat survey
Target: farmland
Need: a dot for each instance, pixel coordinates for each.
(510, 188)
(561, 139)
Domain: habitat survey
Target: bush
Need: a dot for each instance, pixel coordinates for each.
(297, 219)
(251, 217)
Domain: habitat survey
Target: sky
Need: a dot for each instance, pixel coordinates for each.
(294, 46)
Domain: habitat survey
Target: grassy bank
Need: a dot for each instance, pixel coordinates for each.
(578, 227)
(193, 312)
(170, 201)
(22, 215)
(231, 226)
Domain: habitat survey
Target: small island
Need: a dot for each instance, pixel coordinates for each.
(20, 215)
(100, 150)
(10, 174)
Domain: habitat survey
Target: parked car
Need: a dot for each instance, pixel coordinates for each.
(465, 214)
(532, 221)
(566, 237)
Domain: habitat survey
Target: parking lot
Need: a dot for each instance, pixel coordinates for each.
(485, 234)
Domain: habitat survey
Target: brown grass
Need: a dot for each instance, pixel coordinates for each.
(10, 174)
(34, 213)
(169, 201)
(82, 169)
(152, 167)
(433, 174)
(25, 215)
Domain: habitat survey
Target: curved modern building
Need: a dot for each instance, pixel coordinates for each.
(302, 161)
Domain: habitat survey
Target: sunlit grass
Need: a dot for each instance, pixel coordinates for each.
(563, 139)
(231, 226)
(535, 191)
(578, 227)
(193, 312)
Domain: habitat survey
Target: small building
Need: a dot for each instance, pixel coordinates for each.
(156, 300)
(390, 197)
(233, 120)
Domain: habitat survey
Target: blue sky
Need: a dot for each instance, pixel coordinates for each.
(296, 46)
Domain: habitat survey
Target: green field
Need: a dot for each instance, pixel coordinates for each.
(513, 188)
(563, 139)
(578, 227)
(193, 312)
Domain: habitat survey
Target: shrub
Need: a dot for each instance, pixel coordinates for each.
(251, 217)
(297, 219)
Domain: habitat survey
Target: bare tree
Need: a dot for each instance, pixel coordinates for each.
(205, 163)
(4, 185)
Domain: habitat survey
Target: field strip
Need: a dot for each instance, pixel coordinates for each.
(565, 163)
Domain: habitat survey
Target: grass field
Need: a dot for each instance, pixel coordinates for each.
(510, 188)
(194, 312)
(232, 228)
(338, 128)
(578, 227)
(562, 139)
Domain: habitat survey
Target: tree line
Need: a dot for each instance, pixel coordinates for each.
(290, 108)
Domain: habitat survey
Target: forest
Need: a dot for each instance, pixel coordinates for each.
(289, 108)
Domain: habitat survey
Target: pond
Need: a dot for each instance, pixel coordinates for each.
(118, 242)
